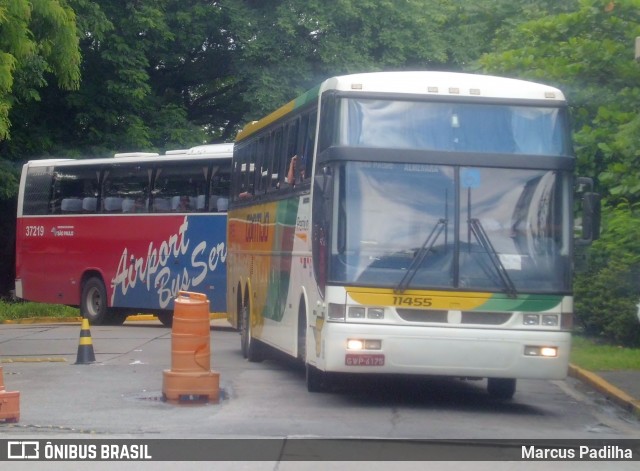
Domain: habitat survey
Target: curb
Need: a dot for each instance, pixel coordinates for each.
(43, 320)
(78, 320)
(612, 393)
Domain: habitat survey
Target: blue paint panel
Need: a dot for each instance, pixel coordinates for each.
(190, 256)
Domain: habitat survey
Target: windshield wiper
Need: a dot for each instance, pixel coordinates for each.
(420, 255)
(483, 239)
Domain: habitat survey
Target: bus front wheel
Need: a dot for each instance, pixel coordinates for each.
(501, 388)
(93, 303)
(317, 380)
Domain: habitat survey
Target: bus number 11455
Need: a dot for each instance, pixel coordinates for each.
(413, 301)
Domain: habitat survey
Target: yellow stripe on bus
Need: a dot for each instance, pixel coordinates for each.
(419, 298)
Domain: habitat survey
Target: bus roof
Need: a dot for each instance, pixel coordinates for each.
(426, 83)
(203, 152)
(445, 84)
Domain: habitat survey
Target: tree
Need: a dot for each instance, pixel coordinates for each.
(282, 48)
(166, 74)
(169, 73)
(156, 75)
(607, 292)
(37, 39)
(588, 52)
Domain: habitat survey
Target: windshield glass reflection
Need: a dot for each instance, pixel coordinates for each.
(459, 127)
(426, 226)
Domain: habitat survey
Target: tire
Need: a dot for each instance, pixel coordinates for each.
(166, 318)
(302, 335)
(93, 301)
(501, 388)
(251, 348)
(115, 317)
(317, 381)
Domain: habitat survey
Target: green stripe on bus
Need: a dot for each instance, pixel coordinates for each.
(308, 97)
(527, 303)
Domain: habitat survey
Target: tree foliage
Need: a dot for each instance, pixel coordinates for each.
(287, 46)
(608, 291)
(165, 74)
(37, 39)
(588, 52)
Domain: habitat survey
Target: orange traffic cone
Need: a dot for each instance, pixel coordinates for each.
(190, 378)
(85, 348)
(9, 403)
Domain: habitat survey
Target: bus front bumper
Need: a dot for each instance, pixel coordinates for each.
(459, 352)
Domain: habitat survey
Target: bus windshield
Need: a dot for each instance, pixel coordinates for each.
(410, 226)
(456, 127)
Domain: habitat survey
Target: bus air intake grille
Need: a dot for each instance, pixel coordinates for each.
(485, 318)
(454, 317)
(423, 315)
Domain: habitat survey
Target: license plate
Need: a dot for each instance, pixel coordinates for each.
(364, 360)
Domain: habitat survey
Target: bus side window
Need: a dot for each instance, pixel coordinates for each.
(38, 190)
(246, 176)
(236, 174)
(291, 145)
(176, 188)
(75, 190)
(304, 147)
(266, 163)
(277, 159)
(219, 189)
(125, 188)
(307, 146)
(261, 162)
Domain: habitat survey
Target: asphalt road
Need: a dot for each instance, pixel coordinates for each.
(120, 396)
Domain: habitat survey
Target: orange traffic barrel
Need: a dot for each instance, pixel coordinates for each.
(9, 402)
(190, 334)
(190, 378)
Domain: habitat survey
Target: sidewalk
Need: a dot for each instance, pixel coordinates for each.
(621, 387)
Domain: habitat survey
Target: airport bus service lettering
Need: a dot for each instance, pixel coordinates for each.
(154, 272)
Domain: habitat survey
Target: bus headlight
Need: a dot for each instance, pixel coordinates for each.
(547, 320)
(356, 313)
(535, 351)
(364, 344)
(375, 313)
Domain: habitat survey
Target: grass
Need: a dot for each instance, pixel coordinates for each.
(594, 355)
(13, 311)
(590, 354)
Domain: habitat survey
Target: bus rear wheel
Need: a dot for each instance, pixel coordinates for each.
(501, 388)
(93, 302)
(251, 349)
(116, 317)
(166, 318)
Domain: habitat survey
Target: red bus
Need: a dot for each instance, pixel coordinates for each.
(122, 235)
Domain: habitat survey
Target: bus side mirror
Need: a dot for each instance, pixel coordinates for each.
(590, 217)
(590, 212)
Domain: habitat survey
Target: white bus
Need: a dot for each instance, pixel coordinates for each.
(415, 223)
